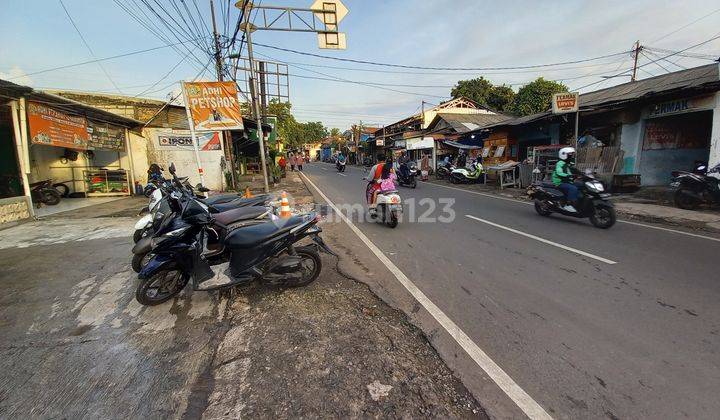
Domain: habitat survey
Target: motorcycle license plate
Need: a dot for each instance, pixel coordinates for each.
(674, 184)
(397, 207)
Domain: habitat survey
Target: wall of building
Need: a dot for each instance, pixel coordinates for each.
(184, 159)
(631, 144)
(13, 209)
(714, 158)
(45, 163)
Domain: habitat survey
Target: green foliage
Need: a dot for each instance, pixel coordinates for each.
(482, 91)
(536, 96)
(335, 132)
(289, 130)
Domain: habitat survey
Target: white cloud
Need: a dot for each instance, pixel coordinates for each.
(16, 75)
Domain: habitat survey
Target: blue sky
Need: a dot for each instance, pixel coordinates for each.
(38, 35)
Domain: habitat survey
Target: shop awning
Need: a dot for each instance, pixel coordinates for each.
(461, 146)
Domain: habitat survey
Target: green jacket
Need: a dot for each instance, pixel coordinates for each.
(562, 172)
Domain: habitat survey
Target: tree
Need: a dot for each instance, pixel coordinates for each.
(335, 132)
(482, 91)
(536, 96)
(313, 131)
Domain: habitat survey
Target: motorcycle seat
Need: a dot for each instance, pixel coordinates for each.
(219, 198)
(248, 237)
(388, 192)
(240, 213)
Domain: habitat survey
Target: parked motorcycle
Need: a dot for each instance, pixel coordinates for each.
(593, 201)
(443, 170)
(265, 251)
(44, 192)
(467, 176)
(697, 187)
(408, 177)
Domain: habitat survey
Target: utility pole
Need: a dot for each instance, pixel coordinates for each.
(226, 135)
(248, 28)
(289, 19)
(423, 114)
(636, 51)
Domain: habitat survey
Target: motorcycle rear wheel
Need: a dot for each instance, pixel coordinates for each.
(51, 197)
(603, 217)
(542, 208)
(311, 266)
(685, 201)
(161, 287)
(413, 184)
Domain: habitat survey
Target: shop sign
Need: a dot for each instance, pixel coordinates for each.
(681, 105)
(104, 136)
(400, 144)
(213, 105)
(55, 128)
(565, 102)
(379, 142)
(420, 143)
(206, 141)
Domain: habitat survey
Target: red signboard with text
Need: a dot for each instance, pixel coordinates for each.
(55, 128)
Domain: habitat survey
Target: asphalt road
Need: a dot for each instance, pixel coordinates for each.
(591, 323)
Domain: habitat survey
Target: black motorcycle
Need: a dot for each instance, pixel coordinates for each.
(407, 175)
(696, 188)
(265, 251)
(444, 170)
(592, 203)
(44, 192)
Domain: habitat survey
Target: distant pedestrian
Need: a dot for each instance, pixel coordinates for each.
(282, 163)
(424, 167)
(291, 158)
(299, 159)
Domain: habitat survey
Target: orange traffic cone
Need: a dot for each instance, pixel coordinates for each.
(247, 194)
(284, 206)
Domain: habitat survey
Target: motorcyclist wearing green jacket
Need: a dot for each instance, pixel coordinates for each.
(562, 177)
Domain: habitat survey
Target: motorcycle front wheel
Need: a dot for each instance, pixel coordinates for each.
(603, 217)
(161, 287)
(310, 267)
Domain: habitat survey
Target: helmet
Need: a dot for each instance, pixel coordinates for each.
(566, 152)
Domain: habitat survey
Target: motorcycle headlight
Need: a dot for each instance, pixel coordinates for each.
(595, 186)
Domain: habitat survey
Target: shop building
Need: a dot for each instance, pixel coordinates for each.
(648, 127)
(87, 149)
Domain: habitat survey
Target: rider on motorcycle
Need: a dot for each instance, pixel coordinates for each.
(341, 157)
(562, 177)
(374, 176)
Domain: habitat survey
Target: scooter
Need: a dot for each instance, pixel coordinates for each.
(593, 202)
(44, 192)
(443, 170)
(265, 252)
(388, 207)
(465, 176)
(697, 187)
(340, 165)
(408, 177)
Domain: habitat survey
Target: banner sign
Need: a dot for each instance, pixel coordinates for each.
(213, 105)
(55, 128)
(206, 141)
(565, 102)
(105, 136)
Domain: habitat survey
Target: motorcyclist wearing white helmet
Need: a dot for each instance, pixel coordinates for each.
(562, 177)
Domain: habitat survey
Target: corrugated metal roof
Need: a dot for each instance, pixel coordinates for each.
(704, 77)
(463, 123)
(684, 79)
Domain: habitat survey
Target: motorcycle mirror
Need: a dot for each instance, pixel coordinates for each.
(203, 189)
(171, 168)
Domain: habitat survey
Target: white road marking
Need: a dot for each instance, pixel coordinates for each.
(341, 174)
(670, 230)
(537, 238)
(680, 232)
(521, 398)
(324, 169)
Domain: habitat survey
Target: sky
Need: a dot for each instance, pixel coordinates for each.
(38, 35)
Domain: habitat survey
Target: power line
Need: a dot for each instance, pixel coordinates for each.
(92, 53)
(657, 63)
(685, 26)
(374, 63)
(97, 60)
